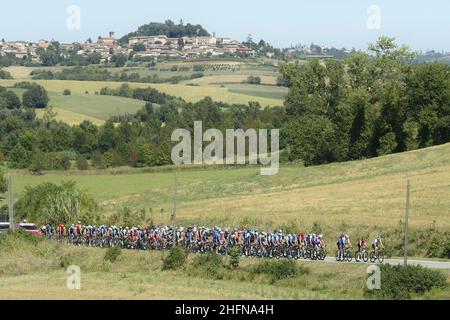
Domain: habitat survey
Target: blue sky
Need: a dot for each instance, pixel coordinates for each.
(342, 23)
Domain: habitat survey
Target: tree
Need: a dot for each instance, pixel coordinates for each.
(3, 182)
(95, 58)
(38, 162)
(139, 47)
(56, 203)
(310, 138)
(119, 60)
(11, 100)
(82, 163)
(65, 162)
(35, 97)
(50, 56)
(19, 157)
(98, 161)
(5, 75)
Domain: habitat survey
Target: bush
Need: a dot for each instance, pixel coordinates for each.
(210, 264)
(112, 254)
(198, 68)
(65, 261)
(447, 251)
(98, 160)
(82, 163)
(5, 75)
(400, 282)
(235, 256)
(67, 92)
(253, 80)
(278, 270)
(176, 259)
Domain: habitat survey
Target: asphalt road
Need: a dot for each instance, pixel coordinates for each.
(425, 263)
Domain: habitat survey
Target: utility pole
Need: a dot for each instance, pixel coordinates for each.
(408, 187)
(12, 226)
(174, 210)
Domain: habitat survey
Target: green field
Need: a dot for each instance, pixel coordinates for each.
(365, 196)
(75, 108)
(271, 92)
(97, 106)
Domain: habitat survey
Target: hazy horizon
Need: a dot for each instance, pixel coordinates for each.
(422, 26)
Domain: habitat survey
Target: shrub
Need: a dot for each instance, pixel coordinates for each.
(400, 282)
(447, 251)
(67, 92)
(235, 256)
(176, 258)
(98, 160)
(253, 80)
(65, 162)
(198, 68)
(278, 270)
(112, 254)
(5, 74)
(82, 163)
(210, 264)
(65, 261)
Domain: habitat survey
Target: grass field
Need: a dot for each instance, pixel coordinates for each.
(96, 106)
(271, 92)
(365, 196)
(77, 107)
(36, 270)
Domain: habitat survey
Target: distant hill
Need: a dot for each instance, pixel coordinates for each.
(432, 56)
(168, 28)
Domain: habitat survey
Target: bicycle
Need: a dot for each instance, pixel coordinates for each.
(345, 256)
(379, 255)
(361, 255)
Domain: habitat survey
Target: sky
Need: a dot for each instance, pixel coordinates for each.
(423, 25)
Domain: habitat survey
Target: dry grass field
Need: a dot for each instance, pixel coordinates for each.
(37, 271)
(360, 196)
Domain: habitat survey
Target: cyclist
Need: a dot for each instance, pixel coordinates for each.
(361, 244)
(341, 245)
(377, 244)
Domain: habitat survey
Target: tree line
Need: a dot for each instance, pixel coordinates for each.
(169, 29)
(140, 140)
(367, 105)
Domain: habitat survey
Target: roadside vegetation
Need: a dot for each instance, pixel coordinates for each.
(28, 263)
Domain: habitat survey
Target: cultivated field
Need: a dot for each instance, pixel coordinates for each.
(214, 83)
(189, 93)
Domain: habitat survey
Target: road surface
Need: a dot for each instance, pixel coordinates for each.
(425, 263)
